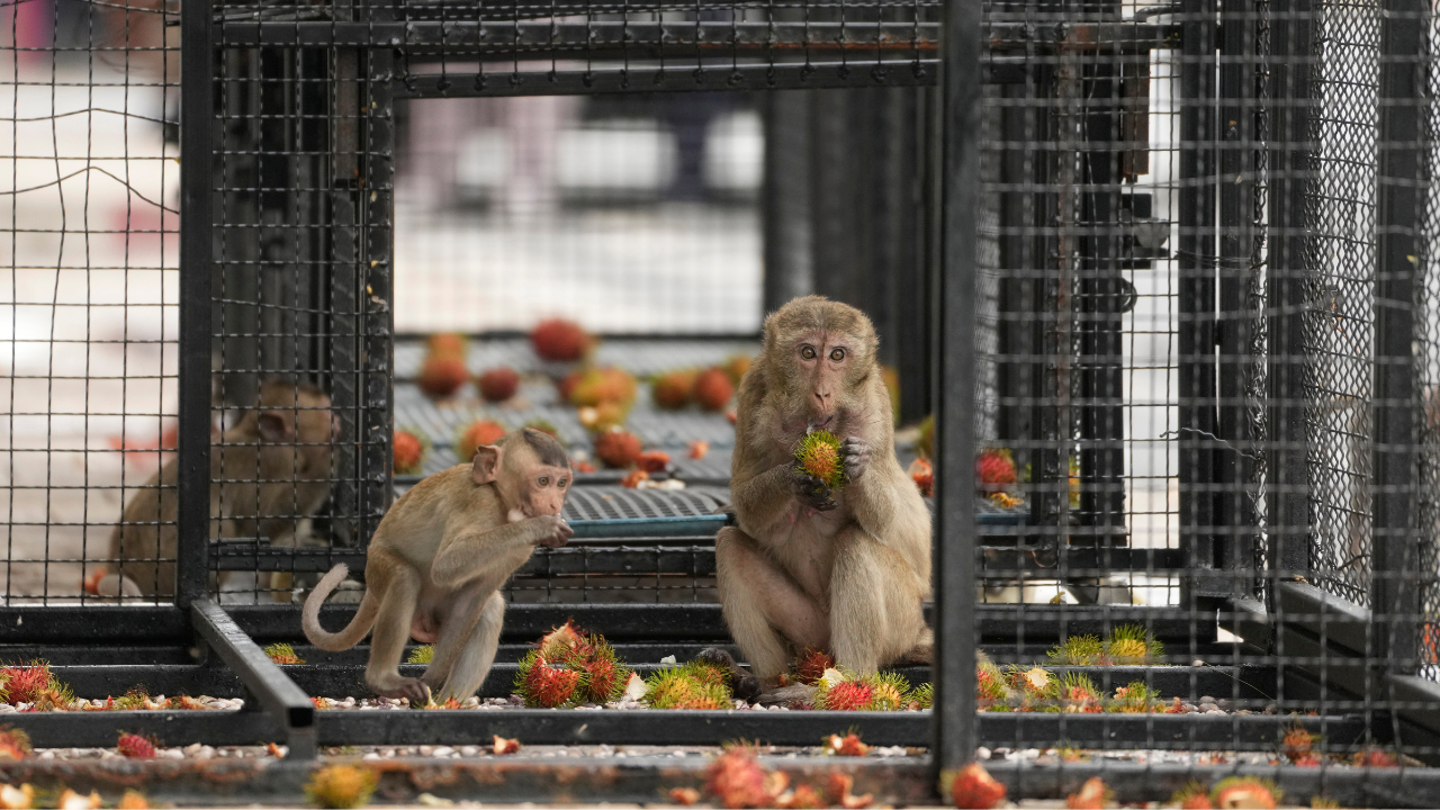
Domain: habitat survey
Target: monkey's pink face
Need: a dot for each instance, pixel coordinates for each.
(545, 490)
(823, 362)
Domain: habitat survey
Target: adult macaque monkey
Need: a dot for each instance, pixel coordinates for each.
(438, 558)
(847, 570)
(269, 473)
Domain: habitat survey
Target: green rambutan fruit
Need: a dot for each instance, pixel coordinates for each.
(819, 456)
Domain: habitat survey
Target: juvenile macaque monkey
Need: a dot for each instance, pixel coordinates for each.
(805, 566)
(270, 471)
(438, 558)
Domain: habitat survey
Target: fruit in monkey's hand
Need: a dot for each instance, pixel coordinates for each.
(975, 788)
(713, 389)
(498, 384)
(671, 390)
(995, 470)
(410, 451)
(617, 448)
(441, 376)
(735, 368)
(560, 340)
(447, 344)
(818, 455)
(598, 386)
(477, 433)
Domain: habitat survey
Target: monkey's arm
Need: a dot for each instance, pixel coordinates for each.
(764, 499)
(472, 552)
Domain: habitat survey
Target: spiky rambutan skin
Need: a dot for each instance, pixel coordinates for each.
(546, 684)
(441, 377)
(423, 654)
(995, 469)
(133, 800)
(1093, 795)
(560, 641)
(736, 779)
(282, 653)
(671, 390)
(14, 744)
(690, 686)
(341, 786)
(811, 663)
(477, 433)
(735, 367)
(653, 461)
(617, 448)
(975, 789)
(1245, 791)
(805, 797)
(925, 441)
(1198, 801)
(560, 340)
(889, 693)
(409, 450)
(818, 455)
(846, 696)
(598, 386)
(923, 475)
(1373, 757)
(1297, 743)
(604, 679)
(849, 745)
(447, 344)
(713, 389)
(921, 697)
(25, 683)
(133, 746)
(498, 384)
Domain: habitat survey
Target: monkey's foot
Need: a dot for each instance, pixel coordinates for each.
(743, 685)
(797, 693)
(411, 689)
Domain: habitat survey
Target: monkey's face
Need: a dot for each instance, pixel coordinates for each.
(827, 366)
(544, 490)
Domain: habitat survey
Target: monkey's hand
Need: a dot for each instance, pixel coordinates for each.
(552, 531)
(812, 492)
(855, 455)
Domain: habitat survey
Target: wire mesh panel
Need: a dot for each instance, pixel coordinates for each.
(89, 326)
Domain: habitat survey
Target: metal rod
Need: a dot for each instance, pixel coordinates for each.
(279, 695)
(196, 132)
(955, 728)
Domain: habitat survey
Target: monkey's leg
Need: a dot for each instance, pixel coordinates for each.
(876, 610)
(400, 590)
(763, 606)
(456, 625)
(478, 653)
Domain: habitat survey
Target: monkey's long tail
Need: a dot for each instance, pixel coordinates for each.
(353, 632)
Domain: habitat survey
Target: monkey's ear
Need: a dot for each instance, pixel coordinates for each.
(487, 461)
(275, 427)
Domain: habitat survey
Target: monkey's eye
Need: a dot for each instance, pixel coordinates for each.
(808, 353)
(561, 483)
(544, 480)
(837, 355)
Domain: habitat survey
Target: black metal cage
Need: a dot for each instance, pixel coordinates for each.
(1160, 274)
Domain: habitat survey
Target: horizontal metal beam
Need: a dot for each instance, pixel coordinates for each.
(672, 78)
(279, 695)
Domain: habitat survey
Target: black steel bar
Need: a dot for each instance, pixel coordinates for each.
(1394, 591)
(279, 695)
(955, 731)
(639, 78)
(1196, 265)
(196, 249)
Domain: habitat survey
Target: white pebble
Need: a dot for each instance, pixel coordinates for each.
(443, 751)
(982, 753)
(469, 751)
(371, 756)
(427, 750)
(172, 753)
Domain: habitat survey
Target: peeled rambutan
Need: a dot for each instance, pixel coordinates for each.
(617, 448)
(409, 452)
(737, 780)
(818, 455)
(560, 340)
(846, 746)
(134, 746)
(653, 461)
(477, 433)
(13, 798)
(671, 390)
(923, 475)
(442, 376)
(498, 384)
(561, 641)
(447, 344)
(995, 469)
(504, 745)
(974, 788)
(713, 389)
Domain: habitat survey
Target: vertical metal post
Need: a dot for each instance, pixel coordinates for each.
(1197, 299)
(1394, 594)
(1287, 480)
(956, 730)
(197, 114)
